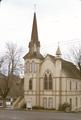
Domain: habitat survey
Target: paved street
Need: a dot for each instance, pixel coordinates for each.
(34, 115)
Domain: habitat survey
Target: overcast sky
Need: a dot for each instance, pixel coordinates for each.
(58, 21)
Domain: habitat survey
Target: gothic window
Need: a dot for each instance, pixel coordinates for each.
(80, 86)
(28, 66)
(30, 84)
(76, 102)
(70, 85)
(33, 66)
(80, 101)
(45, 82)
(34, 47)
(76, 85)
(48, 81)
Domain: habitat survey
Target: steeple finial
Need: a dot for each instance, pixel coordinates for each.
(34, 8)
(58, 52)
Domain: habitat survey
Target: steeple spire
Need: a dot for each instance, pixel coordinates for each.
(34, 45)
(34, 34)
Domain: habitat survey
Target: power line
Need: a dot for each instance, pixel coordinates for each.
(73, 41)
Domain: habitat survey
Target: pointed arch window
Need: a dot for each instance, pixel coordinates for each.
(76, 85)
(27, 67)
(33, 66)
(70, 85)
(30, 84)
(45, 82)
(48, 81)
(76, 101)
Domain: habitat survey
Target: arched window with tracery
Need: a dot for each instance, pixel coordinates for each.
(30, 84)
(45, 82)
(33, 66)
(27, 66)
(48, 81)
(70, 85)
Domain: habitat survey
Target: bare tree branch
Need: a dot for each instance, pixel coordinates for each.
(12, 59)
(75, 56)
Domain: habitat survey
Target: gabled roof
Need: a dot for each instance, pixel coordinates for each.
(51, 57)
(70, 69)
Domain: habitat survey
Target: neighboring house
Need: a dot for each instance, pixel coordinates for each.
(2, 81)
(16, 87)
(50, 81)
(2, 85)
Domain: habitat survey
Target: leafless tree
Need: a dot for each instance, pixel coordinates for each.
(3, 90)
(77, 57)
(1, 61)
(12, 60)
(74, 55)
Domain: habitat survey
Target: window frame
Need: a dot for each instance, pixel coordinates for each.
(48, 83)
(33, 66)
(30, 84)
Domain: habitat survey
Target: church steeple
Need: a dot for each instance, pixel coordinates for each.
(34, 45)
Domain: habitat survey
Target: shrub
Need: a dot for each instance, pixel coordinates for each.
(24, 105)
(37, 107)
(65, 107)
(42, 108)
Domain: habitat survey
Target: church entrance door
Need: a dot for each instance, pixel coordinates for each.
(45, 102)
(50, 103)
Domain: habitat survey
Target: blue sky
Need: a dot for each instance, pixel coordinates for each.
(58, 21)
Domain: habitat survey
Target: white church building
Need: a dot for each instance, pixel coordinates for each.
(49, 81)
